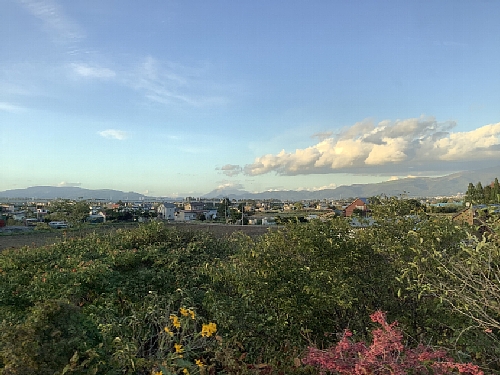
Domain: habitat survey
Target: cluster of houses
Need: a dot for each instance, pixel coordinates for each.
(191, 210)
(257, 213)
(194, 210)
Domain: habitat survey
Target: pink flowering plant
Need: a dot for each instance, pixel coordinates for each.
(385, 355)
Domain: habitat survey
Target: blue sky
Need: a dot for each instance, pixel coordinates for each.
(176, 98)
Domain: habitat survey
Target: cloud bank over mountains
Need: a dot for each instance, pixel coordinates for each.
(416, 144)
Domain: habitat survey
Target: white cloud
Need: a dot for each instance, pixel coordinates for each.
(114, 134)
(386, 147)
(71, 184)
(395, 178)
(62, 27)
(316, 188)
(230, 185)
(480, 143)
(87, 71)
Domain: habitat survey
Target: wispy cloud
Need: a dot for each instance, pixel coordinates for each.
(89, 71)
(60, 26)
(114, 134)
(387, 147)
(321, 136)
(8, 107)
(230, 169)
(168, 83)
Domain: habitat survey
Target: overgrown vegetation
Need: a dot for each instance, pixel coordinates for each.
(155, 299)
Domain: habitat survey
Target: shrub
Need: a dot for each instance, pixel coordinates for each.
(55, 334)
(385, 355)
(296, 281)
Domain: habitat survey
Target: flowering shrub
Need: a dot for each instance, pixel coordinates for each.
(385, 355)
(183, 347)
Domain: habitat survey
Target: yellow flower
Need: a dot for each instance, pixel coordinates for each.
(185, 371)
(167, 330)
(187, 312)
(175, 321)
(178, 348)
(157, 373)
(208, 330)
(199, 363)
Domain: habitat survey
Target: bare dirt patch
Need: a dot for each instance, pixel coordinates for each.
(31, 239)
(41, 238)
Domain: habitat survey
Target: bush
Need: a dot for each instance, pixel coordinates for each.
(105, 282)
(386, 355)
(294, 282)
(53, 334)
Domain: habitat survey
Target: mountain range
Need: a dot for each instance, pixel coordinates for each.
(412, 187)
(70, 192)
(449, 185)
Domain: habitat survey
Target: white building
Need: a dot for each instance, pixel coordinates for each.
(166, 211)
(184, 215)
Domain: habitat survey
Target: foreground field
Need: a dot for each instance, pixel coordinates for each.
(211, 299)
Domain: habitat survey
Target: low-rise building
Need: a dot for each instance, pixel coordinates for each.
(166, 211)
(194, 206)
(185, 215)
(359, 204)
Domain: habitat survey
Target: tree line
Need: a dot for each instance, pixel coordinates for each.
(477, 194)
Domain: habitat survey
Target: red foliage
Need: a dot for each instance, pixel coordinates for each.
(385, 356)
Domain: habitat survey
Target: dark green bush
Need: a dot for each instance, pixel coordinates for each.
(295, 282)
(53, 333)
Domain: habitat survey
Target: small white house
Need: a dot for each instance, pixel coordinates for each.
(184, 215)
(99, 217)
(210, 214)
(19, 216)
(166, 211)
(268, 221)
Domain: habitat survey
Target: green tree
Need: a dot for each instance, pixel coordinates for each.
(223, 208)
(479, 193)
(470, 195)
(495, 192)
(74, 212)
(488, 194)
